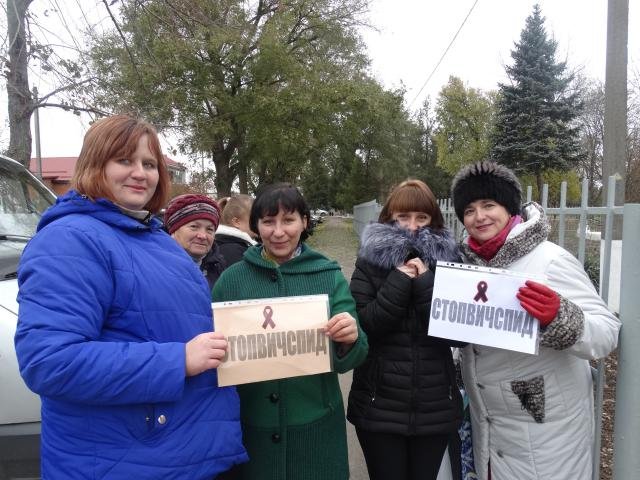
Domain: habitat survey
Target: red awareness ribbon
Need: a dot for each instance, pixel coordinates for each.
(482, 289)
(268, 321)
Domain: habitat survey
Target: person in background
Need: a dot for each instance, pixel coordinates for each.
(404, 401)
(192, 220)
(294, 428)
(234, 235)
(532, 415)
(115, 327)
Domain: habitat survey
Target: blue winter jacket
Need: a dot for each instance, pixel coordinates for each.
(107, 304)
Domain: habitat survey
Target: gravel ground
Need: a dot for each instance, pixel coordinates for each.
(336, 238)
(608, 413)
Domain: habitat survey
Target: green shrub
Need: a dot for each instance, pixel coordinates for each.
(592, 267)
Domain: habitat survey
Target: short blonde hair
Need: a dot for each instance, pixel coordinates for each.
(111, 138)
(236, 206)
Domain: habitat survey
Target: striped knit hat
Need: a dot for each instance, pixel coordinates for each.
(189, 207)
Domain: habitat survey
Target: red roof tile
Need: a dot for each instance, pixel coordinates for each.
(60, 169)
(56, 169)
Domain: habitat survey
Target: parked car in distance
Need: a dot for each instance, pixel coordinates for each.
(23, 199)
(315, 220)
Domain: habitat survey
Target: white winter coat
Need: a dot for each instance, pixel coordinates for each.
(532, 415)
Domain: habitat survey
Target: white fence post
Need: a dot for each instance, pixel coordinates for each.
(627, 421)
(364, 213)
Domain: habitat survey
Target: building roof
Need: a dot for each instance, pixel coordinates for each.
(56, 169)
(172, 164)
(60, 169)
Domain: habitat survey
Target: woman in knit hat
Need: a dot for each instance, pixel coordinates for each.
(192, 220)
(404, 401)
(294, 428)
(532, 415)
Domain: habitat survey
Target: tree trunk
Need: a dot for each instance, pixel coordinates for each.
(224, 178)
(242, 167)
(223, 152)
(225, 175)
(243, 179)
(20, 102)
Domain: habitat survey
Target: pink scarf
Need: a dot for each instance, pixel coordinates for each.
(488, 249)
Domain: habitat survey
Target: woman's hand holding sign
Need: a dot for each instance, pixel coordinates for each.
(342, 328)
(204, 352)
(540, 301)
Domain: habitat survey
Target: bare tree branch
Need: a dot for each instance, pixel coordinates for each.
(44, 98)
(77, 108)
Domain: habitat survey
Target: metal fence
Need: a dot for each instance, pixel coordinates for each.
(365, 213)
(614, 267)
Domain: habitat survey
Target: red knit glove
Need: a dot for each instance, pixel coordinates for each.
(540, 301)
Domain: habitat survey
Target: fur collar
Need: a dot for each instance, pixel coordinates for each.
(522, 239)
(388, 245)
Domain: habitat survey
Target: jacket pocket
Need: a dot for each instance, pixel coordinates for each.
(531, 394)
(139, 420)
(375, 374)
(538, 397)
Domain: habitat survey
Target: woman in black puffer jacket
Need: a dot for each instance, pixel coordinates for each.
(404, 401)
(234, 234)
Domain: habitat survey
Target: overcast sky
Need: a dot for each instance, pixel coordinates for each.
(412, 37)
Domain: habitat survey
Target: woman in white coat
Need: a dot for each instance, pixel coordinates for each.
(532, 415)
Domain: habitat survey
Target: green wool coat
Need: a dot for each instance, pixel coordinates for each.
(294, 428)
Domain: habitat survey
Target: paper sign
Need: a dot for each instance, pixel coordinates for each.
(478, 305)
(271, 338)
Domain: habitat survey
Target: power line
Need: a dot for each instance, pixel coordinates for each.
(445, 52)
(63, 21)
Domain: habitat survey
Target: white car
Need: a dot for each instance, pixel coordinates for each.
(23, 199)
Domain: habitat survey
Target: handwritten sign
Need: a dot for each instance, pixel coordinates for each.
(479, 305)
(273, 338)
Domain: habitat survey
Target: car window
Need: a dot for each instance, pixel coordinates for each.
(22, 201)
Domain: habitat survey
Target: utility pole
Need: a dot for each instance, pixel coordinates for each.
(626, 461)
(615, 98)
(36, 130)
(626, 435)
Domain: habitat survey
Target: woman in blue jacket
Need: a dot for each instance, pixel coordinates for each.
(115, 327)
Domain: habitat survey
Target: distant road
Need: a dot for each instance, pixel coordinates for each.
(336, 239)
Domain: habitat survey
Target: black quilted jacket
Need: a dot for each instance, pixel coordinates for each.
(407, 384)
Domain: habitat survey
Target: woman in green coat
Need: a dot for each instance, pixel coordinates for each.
(294, 428)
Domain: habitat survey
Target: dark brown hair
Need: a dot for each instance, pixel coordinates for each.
(412, 196)
(112, 138)
(272, 198)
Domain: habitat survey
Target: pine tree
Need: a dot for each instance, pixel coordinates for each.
(535, 128)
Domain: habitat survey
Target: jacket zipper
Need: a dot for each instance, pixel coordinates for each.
(374, 381)
(414, 368)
